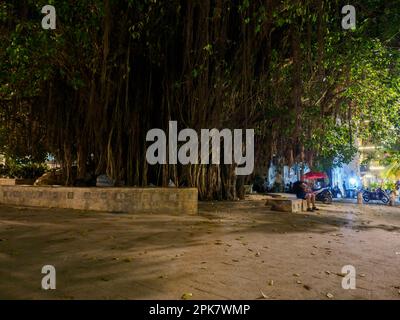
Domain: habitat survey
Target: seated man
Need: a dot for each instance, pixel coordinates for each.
(303, 192)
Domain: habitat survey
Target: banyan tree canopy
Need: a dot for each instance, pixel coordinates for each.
(90, 90)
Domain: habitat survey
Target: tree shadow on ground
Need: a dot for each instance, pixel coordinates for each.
(96, 253)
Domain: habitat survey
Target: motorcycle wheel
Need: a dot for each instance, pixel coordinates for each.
(365, 197)
(385, 199)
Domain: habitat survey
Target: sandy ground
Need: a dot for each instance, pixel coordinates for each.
(230, 250)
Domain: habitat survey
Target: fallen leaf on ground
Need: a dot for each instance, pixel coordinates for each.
(271, 282)
(298, 282)
(258, 254)
(307, 287)
(296, 275)
(330, 295)
(263, 295)
(186, 296)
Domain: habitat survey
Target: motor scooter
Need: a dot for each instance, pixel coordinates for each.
(378, 195)
(324, 195)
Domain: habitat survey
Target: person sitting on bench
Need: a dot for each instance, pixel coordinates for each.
(303, 192)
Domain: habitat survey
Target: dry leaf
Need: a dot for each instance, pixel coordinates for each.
(263, 295)
(271, 282)
(186, 296)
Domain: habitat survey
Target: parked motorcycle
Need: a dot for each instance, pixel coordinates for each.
(324, 195)
(378, 195)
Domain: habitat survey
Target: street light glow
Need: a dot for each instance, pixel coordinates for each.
(377, 168)
(367, 148)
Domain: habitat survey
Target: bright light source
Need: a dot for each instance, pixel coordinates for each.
(377, 168)
(352, 181)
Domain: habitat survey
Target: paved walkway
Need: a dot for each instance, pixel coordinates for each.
(234, 250)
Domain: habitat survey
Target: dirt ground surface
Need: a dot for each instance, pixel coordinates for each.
(231, 250)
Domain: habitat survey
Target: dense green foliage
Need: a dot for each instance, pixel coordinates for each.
(114, 69)
(22, 169)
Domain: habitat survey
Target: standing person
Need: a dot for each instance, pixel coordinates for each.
(344, 190)
(303, 192)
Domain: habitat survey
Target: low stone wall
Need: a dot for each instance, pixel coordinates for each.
(127, 200)
(15, 182)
